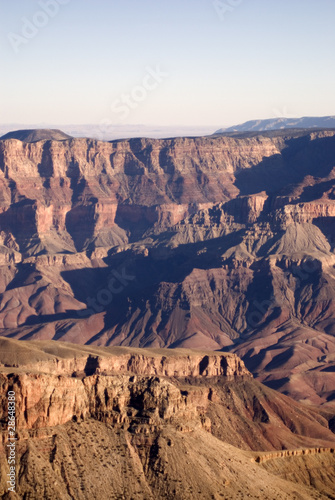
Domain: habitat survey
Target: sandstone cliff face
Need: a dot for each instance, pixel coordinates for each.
(52, 186)
(129, 389)
(196, 365)
(51, 389)
(47, 400)
(225, 243)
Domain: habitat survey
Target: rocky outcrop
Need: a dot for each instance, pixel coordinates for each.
(47, 400)
(144, 391)
(165, 363)
(211, 365)
(61, 387)
(292, 453)
(191, 431)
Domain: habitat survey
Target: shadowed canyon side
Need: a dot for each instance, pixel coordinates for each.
(156, 424)
(209, 243)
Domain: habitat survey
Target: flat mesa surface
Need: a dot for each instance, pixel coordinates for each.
(19, 353)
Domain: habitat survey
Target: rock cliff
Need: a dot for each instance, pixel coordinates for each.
(150, 423)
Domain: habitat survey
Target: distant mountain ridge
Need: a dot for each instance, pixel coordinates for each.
(282, 123)
(35, 135)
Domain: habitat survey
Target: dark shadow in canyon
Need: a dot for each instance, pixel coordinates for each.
(300, 158)
(172, 265)
(50, 318)
(148, 273)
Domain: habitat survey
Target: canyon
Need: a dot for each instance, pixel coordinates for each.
(160, 299)
(218, 243)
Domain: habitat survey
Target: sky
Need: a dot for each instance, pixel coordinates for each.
(165, 62)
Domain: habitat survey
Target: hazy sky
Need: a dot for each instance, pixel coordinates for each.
(165, 62)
